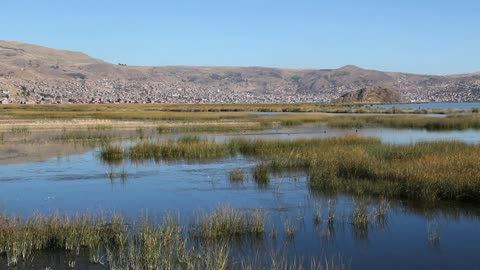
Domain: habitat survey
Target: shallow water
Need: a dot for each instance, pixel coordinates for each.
(430, 105)
(80, 184)
(386, 135)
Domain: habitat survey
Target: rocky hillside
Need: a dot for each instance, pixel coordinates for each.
(31, 73)
(375, 94)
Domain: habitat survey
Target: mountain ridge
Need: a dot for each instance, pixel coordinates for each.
(31, 73)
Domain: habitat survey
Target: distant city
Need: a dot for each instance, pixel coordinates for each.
(35, 74)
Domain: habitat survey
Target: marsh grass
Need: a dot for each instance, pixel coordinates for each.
(19, 239)
(317, 215)
(185, 148)
(115, 243)
(236, 175)
(289, 229)
(279, 261)
(213, 127)
(365, 215)
(20, 130)
(360, 219)
(85, 136)
(365, 166)
(457, 122)
(82, 109)
(230, 118)
(140, 132)
(227, 223)
(261, 174)
(427, 171)
(332, 212)
(381, 211)
(189, 139)
(99, 127)
(113, 154)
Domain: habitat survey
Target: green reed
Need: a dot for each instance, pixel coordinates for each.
(358, 165)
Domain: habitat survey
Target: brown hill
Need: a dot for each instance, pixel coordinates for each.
(376, 94)
(31, 73)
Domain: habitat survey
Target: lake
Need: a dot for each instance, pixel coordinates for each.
(412, 236)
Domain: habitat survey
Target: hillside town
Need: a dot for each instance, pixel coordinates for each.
(129, 91)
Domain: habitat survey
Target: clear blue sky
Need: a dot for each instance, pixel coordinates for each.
(422, 36)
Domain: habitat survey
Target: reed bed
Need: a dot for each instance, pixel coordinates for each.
(117, 244)
(426, 171)
(227, 223)
(219, 118)
(261, 174)
(455, 122)
(112, 153)
(307, 107)
(183, 149)
(84, 136)
(214, 127)
(362, 166)
(398, 121)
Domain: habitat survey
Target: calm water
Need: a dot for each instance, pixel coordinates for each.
(353, 114)
(79, 184)
(432, 105)
(386, 135)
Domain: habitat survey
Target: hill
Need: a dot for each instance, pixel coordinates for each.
(375, 94)
(32, 73)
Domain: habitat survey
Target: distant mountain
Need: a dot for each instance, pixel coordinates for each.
(31, 73)
(374, 94)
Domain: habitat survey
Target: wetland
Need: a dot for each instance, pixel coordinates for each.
(161, 187)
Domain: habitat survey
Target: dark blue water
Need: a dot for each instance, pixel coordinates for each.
(79, 184)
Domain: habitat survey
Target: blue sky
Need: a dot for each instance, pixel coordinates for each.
(423, 36)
